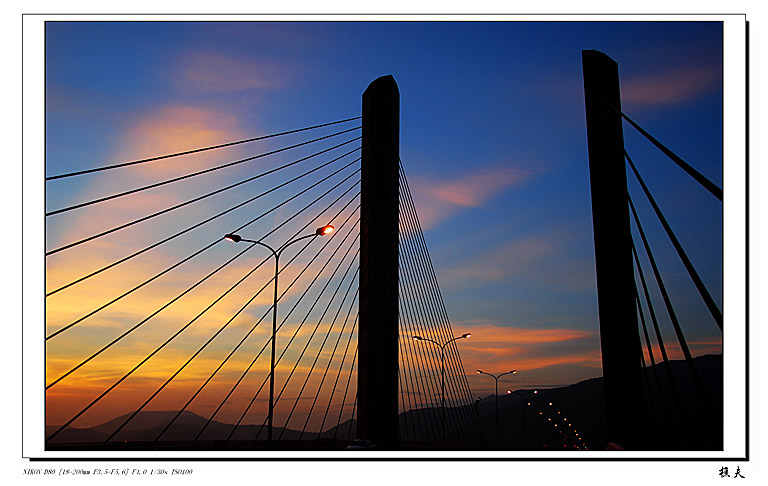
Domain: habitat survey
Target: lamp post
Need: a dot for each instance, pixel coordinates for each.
(496, 379)
(442, 373)
(325, 230)
(479, 428)
(523, 394)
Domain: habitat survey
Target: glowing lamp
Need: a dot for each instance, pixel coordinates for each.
(325, 230)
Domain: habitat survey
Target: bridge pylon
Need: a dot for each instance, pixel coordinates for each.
(377, 378)
(617, 312)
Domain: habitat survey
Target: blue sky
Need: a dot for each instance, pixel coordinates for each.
(493, 142)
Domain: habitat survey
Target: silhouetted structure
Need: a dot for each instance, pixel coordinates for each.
(398, 295)
(619, 338)
(377, 382)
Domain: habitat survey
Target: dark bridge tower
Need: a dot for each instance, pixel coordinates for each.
(619, 337)
(377, 379)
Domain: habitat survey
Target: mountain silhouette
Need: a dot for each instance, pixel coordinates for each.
(521, 426)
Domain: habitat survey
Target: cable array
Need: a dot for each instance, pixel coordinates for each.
(316, 195)
(700, 390)
(423, 313)
(674, 427)
(193, 151)
(696, 175)
(190, 175)
(213, 193)
(175, 326)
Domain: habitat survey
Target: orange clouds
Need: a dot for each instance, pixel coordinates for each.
(176, 128)
(437, 200)
(493, 336)
(493, 346)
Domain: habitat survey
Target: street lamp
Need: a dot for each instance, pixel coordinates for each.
(479, 429)
(496, 379)
(442, 373)
(322, 231)
(523, 394)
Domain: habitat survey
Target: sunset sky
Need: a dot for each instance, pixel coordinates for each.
(492, 140)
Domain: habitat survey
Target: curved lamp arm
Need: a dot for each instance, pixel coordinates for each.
(496, 377)
(322, 231)
(442, 346)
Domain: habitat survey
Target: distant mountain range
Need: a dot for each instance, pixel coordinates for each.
(521, 426)
(147, 425)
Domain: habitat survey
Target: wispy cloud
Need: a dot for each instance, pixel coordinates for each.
(217, 74)
(540, 258)
(513, 258)
(437, 199)
(677, 85)
(164, 130)
(656, 87)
